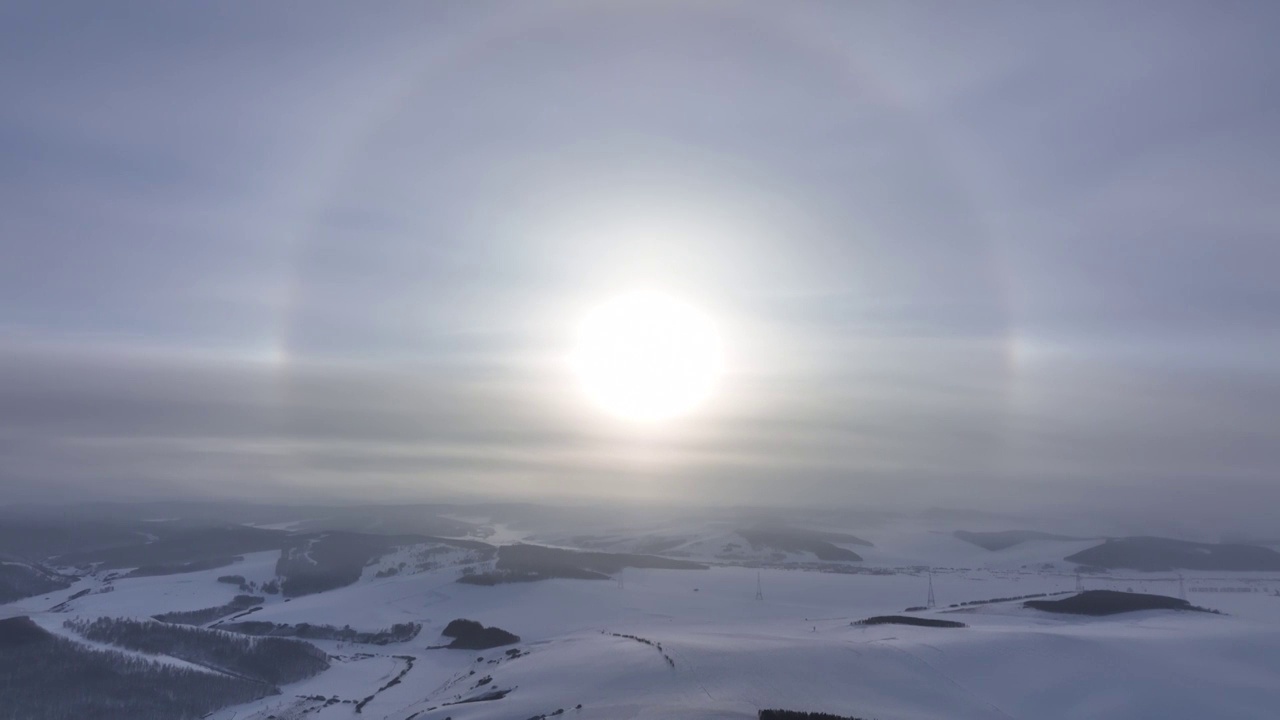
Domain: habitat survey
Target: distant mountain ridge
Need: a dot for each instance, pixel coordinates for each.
(1008, 538)
(821, 543)
(1155, 554)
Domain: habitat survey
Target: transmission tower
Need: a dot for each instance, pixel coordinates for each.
(932, 603)
(759, 588)
(1079, 583)
(1182, 588)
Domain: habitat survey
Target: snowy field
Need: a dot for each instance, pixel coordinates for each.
(731, 654)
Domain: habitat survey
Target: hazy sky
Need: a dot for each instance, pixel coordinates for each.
(990, 253)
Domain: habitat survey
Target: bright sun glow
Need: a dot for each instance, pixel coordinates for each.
(647, 356)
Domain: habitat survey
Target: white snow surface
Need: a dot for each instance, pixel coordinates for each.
(733, 654)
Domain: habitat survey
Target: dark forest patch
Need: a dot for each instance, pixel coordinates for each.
(400, 632)
(908, 620)
(53, 678)
(239, 603)
(800, 715)
(177, 545)
(528, 563)
(821, 544)
(1110, 602)
(1157, 554)
(269, 660)
(180, 568)
(16, 631)
(471, 635)
(20, 580)
(317, 563)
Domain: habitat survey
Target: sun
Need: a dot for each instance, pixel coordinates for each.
(647, 356)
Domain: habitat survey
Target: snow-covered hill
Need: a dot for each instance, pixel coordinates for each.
(654, 643)
(733, 654)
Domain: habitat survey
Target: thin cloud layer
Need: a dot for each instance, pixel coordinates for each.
(1013, 258)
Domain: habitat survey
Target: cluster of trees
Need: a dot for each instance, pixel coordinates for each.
(1111, 602)
(558, 562)
(49, 677)
(269, 660)
(330, 561)
(400, 632)
(246, 586)
(73, 596)
(20, 580)
(500, 577)
(1007, 599)
(657, 645)
(239, 603)
(408, 665)
(471, 635)
(175, 545)
(182, 567)
(555, 713)
(820, 544)
(799, 715)
(907, 620)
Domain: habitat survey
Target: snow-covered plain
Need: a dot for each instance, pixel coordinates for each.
(731, 654)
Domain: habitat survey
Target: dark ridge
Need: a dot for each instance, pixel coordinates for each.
(549, 561)
(1110, 602)
(20, 580)
(798, 715)
(990, 601)
(808, 541)
(317, 563)
(460, 543)
(530, 563)
(37, 538)
(907, 620)
(838, 538)
(501, 577)
(177, 544)
(1007, 538)
(179, 568)
(1157, 554)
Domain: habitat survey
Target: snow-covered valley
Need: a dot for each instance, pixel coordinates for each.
(759, 632)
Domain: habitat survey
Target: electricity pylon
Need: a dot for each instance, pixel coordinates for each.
(759, 588)
(931, 603)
